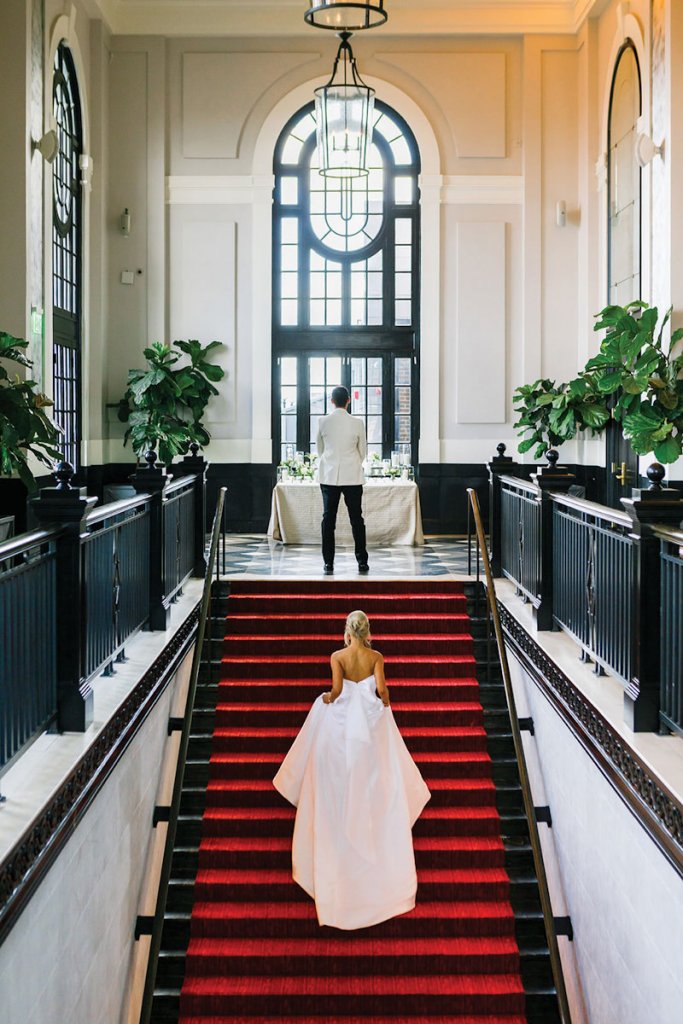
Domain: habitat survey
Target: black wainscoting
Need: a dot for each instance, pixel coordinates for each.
(250, 486)
(443, 491)
(443, 495)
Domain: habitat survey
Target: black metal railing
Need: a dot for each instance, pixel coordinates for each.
(28, 669)
(74, 593)
(671, 629)
(521, 536)
(593, 572)
(116, 577)
(597, 573)
(178, 511)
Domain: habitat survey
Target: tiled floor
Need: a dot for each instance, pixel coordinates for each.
(257, 555)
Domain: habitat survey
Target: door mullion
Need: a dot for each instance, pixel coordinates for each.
(303, 418)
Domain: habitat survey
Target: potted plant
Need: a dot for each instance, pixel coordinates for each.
(631, 380)
(25, 428)
(165, 402)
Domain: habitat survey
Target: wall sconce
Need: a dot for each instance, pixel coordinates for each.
(561, 214)
(85, 165)
(47, 146)
(646, 150)
(125, 223)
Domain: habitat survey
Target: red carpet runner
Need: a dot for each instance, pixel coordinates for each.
(256, 951)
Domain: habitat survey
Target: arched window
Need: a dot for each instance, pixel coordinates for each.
(66, 255)
(624, 181)
(346, 287)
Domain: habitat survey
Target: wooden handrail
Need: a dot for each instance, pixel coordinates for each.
(26, 541)
(544, 892)
(668, 534)
(116, 508)
(592, 508)
(519, 484)
(178, 483)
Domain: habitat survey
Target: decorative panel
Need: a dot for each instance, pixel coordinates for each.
(480, 327)
(219, 90)
(470, 89)
(203, 292)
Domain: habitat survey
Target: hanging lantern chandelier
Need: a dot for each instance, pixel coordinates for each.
(343, 112)
(346, 15)
(344, 107)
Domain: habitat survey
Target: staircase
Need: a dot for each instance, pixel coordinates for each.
(241, 937)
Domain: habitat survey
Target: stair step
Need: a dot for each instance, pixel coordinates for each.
(452, 956)
(423, 994)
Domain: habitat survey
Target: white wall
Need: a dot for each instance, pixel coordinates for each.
(68, 957)
(517, 123)
(624, 899)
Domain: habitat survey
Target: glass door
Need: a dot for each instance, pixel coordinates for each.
(381, 386)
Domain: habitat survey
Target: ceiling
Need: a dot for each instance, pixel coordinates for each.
(278, 18)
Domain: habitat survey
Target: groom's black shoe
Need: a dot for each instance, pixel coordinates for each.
(328, 569)
(363, 567)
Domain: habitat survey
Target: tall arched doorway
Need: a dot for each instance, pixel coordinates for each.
(346, 287)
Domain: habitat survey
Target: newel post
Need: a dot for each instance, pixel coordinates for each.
(663, 506)
(197, 466)
(499, 464)
(550, 478)
(67, 507)
(153, 481)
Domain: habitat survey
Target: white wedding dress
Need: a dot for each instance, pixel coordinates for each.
(358, 793)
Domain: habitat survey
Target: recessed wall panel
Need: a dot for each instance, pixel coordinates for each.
(219, 91)
(203, 294)
(470, 89)
(480, 327)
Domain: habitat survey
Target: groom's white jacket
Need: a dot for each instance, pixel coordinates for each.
(341, 449)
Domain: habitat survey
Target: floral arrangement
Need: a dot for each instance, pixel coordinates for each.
(300, 469)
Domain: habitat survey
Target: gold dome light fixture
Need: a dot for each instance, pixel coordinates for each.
(346, 15)
(343, 114)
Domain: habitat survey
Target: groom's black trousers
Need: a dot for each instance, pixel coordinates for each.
(331, 498)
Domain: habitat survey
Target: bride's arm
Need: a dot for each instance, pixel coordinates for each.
(337, 681)
(382, 688)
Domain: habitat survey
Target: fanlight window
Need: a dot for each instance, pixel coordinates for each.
(346, 246)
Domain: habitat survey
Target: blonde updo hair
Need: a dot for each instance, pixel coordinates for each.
(357, 628)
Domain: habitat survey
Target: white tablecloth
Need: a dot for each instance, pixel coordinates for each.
(391, 512)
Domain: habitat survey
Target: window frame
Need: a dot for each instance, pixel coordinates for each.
(346, 340)
(67, 246)
(627, 46)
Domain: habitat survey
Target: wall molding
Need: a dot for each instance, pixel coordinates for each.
(33, 855)
(245, 189)
(483, 189)
(648, 799)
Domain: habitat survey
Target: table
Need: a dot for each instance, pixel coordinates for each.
(391, 511)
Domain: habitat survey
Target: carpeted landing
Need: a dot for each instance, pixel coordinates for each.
(256, 952)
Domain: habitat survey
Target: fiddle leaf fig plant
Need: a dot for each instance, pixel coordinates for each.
(631, 380)
(165, 402)
(25, 427)
(552, 414)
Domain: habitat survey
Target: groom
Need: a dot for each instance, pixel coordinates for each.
(341, 451)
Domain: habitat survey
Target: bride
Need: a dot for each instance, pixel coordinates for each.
(357, 792)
